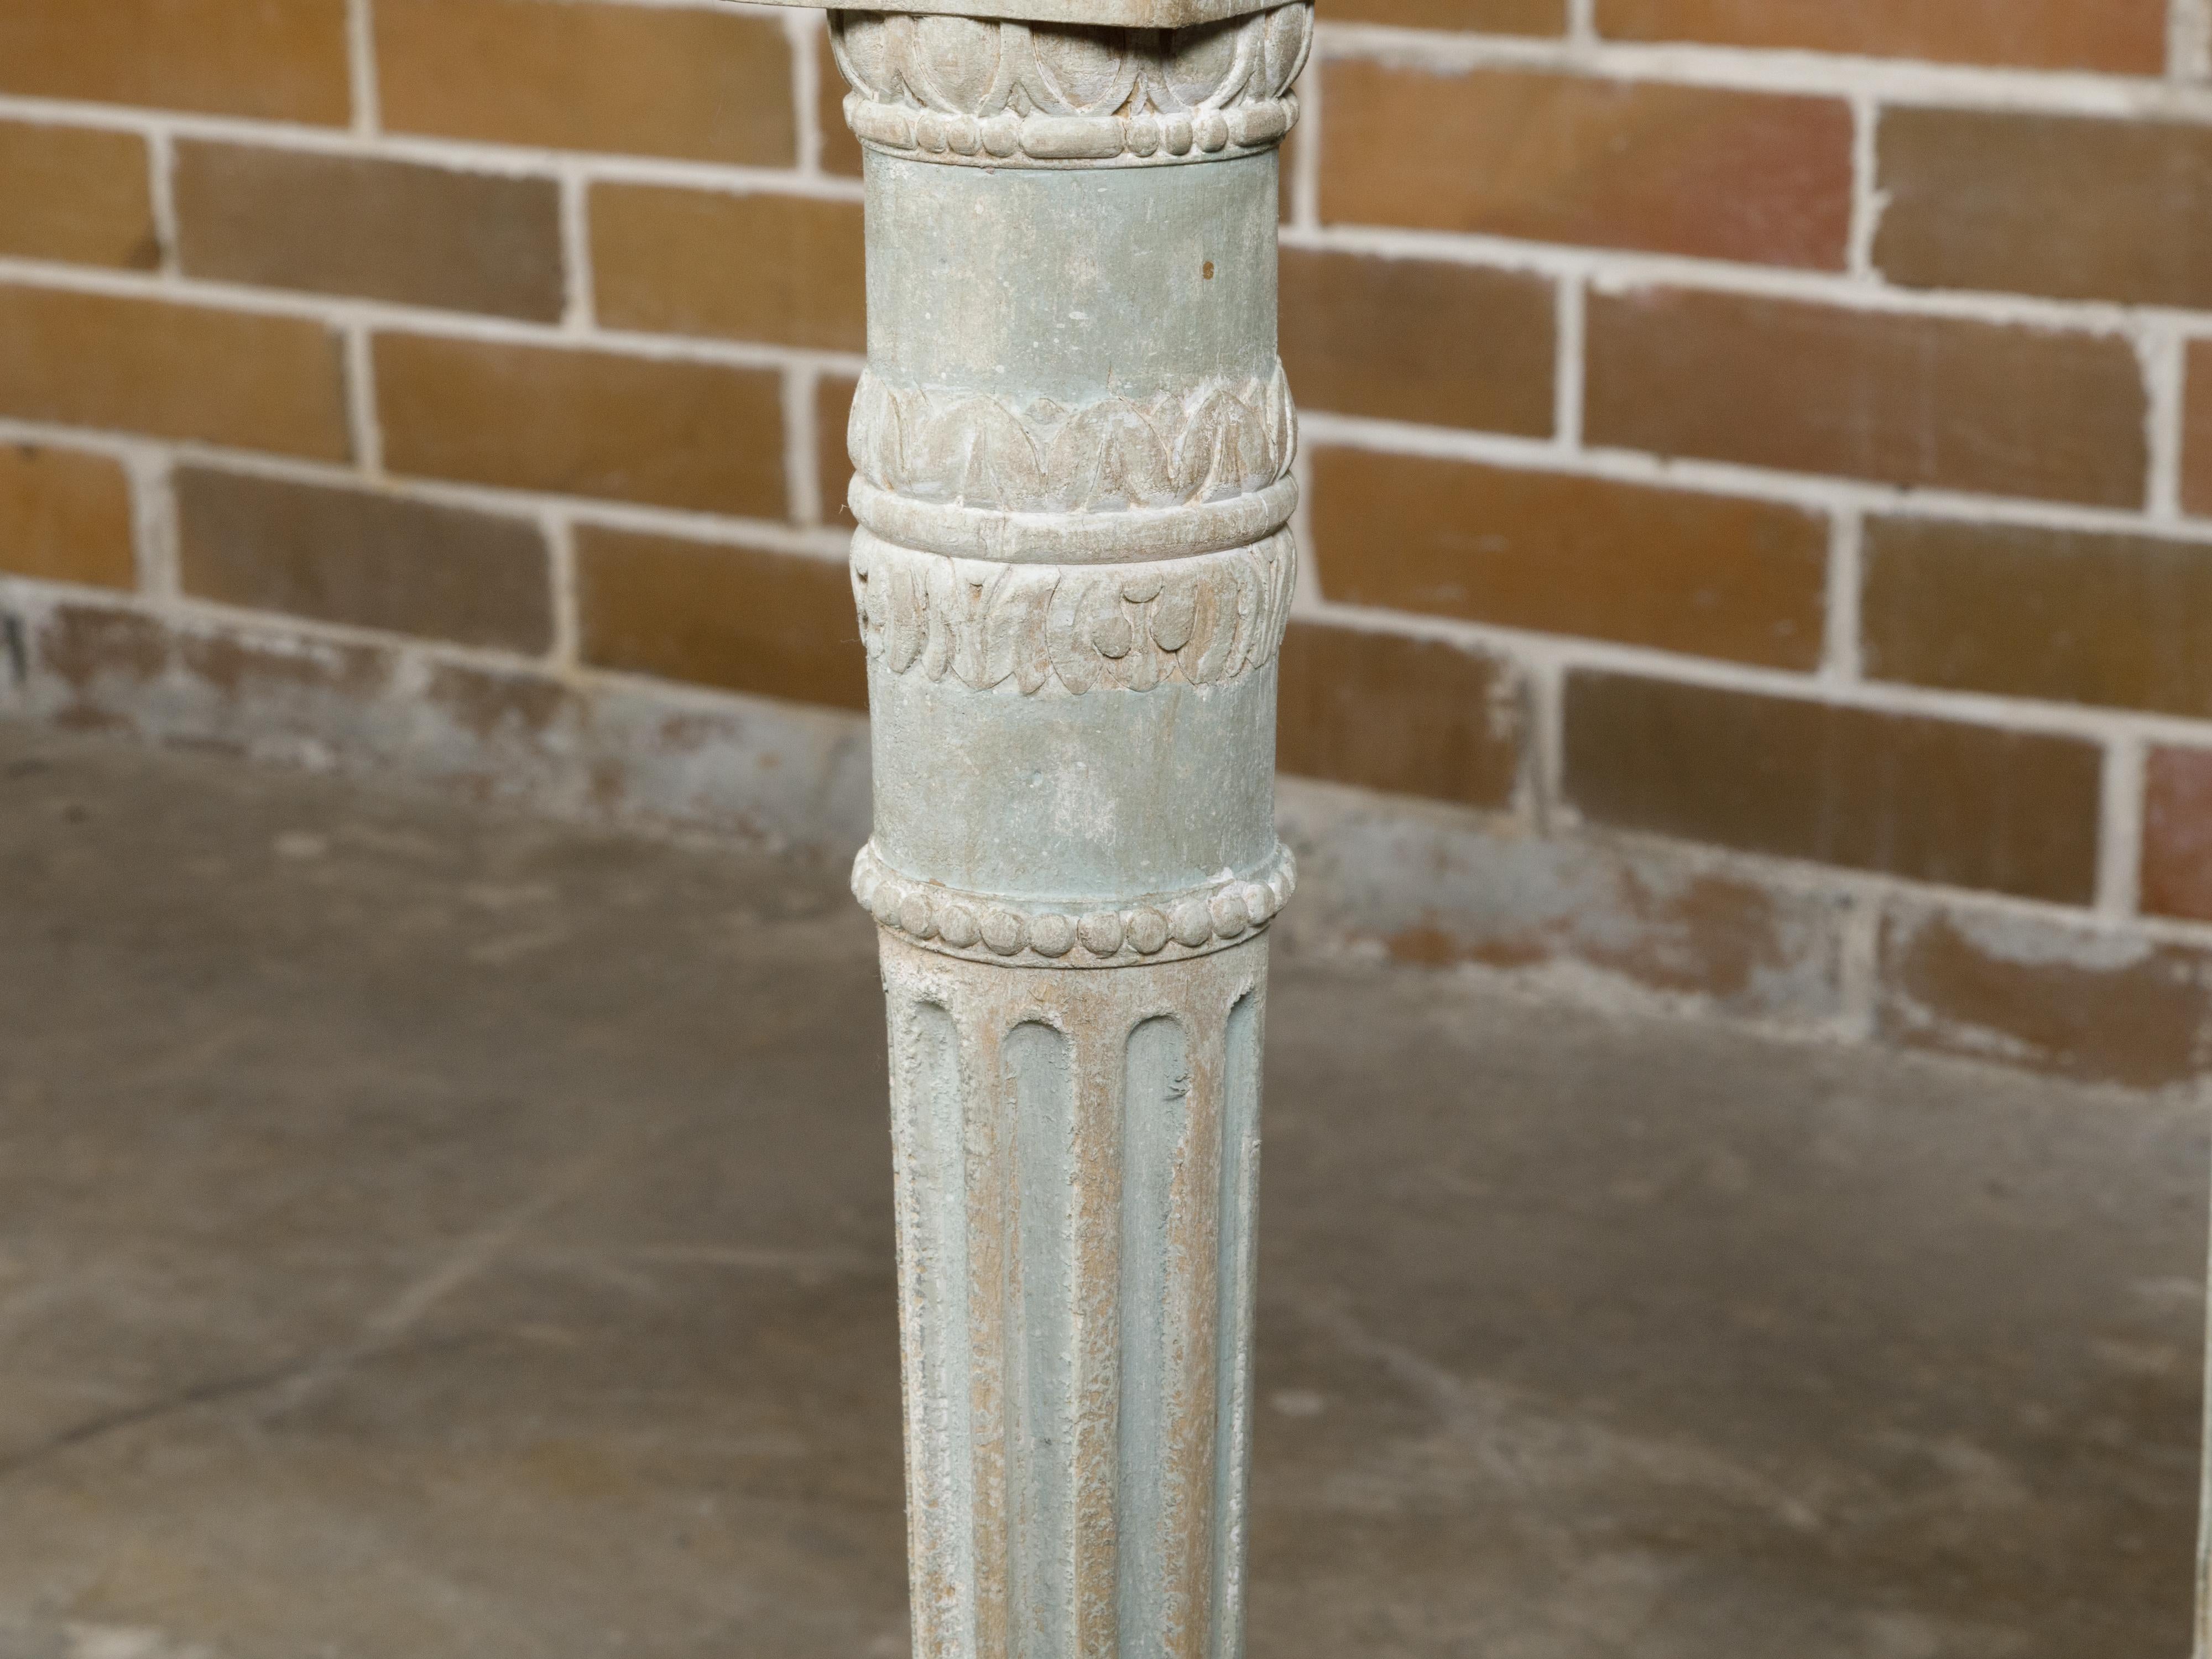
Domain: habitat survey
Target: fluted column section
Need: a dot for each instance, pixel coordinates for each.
(1072, 447)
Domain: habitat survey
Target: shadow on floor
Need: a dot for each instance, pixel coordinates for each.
(430, 1233)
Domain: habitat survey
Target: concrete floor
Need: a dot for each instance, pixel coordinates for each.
(425, 1231)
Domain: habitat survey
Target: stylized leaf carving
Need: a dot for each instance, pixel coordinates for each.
(1200, 620)
(1220, 441)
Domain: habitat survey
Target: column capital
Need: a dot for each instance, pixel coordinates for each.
(981, 91)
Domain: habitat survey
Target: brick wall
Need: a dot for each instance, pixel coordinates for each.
(1757, 453)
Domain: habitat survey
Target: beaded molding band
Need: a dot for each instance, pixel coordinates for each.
(982, 927)
(997, 139)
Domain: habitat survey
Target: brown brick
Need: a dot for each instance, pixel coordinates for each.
(77, 193)
(1413, 717)
(777, 625)
(1424, 340)
(840, 151)
(283, 61)
(785, 269)
(1906, 795)
(684, 434)
(2032, 992)
(1709, 575)
(2197, 431)
(174, 371)
(2124, 36)
(2177, 835)
(364, 558)
(2074, 207)
(1579, 159)
(1464, 16)
(1902, 399)
(833, 413)
(2118, 621)
(702, 85)
(65, 517)
(384, 230)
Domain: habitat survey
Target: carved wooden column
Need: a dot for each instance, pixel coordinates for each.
(1073, 447)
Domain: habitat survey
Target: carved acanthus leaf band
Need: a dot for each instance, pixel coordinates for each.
(1075, 933)
(1076, 629)
(1218, 441)
(983, 93)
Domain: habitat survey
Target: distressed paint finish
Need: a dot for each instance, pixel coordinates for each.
(1073, 454)
(1078, 1159)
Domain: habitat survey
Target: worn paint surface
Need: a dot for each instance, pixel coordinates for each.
(1073, 453)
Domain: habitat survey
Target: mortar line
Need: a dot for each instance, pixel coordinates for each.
(1622, 270)
(1573, 653)
(766, 534)
(360, 402)
(1867, 199)
(2189, 41)
(353, 312)
(2120, 828)
(802, 473)
(1840, 662)
(801, 32)
(153, 531)
(430, 149)
(1770, 71)
(1858, 964)
(580, 303)
(1551, 811)
(1571, 324)
(2164, 355)
(161, 188)
(1305, 150)
(1609, 271)
(1813, 492)
(565, 653)
(360, 54)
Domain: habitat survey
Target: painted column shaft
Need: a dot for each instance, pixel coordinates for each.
(1072, 447)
